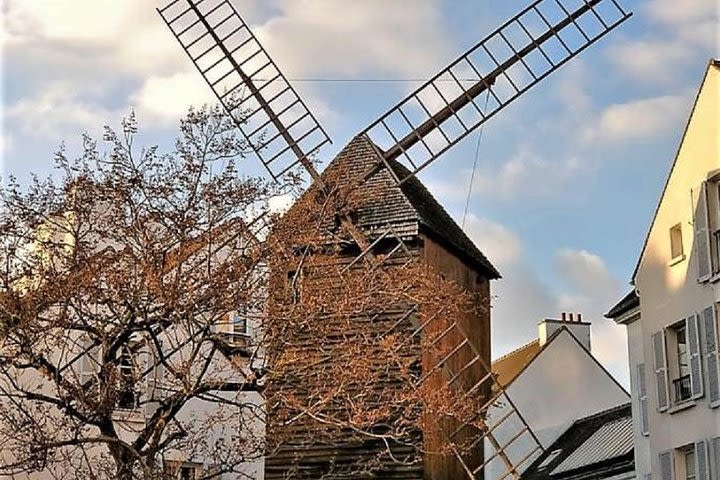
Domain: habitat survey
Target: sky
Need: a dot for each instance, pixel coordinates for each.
(568, 176)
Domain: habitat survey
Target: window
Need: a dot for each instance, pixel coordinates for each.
(690, 465)
(238, 322)
(89, 365)
(678, 364)
(676, 243)
(183, 470)
(127, 397)
(235, 328)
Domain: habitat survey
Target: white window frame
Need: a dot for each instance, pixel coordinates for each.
(676, 236)
(239, 313)
(667, 372)
(134, 356)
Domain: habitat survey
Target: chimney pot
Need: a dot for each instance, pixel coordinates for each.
(579, 317)
(571, 317)
(563, 315)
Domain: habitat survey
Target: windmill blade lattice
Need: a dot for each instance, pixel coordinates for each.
(511, 60)
(267, 110)
(283, 132)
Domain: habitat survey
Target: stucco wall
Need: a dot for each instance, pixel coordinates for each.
(564, 383)
(670, 292)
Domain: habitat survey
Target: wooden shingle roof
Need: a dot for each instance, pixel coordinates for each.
(409, 208)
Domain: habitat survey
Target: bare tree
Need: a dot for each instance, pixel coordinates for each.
(127, 290)
(154, 311)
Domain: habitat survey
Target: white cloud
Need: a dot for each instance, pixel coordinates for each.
(377, 36)
(687, 26)
(571, 87)
(520, 176)
(166, 99)
(673, 12)
(126, 36)
(56, 112)
(6, 142)
(592, 290)
(499, 244)
(650, 60)
(522, 298)
(281, 203)
(639, 119)
(585, 271)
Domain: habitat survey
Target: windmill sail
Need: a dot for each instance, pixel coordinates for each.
(485, 79)
(283, 132)
(274, 120)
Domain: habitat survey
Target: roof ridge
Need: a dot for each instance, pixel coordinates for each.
(608, 411)
(518, 349)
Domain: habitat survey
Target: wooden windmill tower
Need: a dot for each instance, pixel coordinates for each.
(384, 223)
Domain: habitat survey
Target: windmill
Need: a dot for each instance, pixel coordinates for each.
(284, 133)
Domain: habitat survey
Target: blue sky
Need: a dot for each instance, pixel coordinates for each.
(568, 176)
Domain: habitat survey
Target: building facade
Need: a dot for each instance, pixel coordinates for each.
(672, 329)
(553, 381)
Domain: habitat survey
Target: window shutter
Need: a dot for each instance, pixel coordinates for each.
(89, 365)
(666, 466)
(715, 458)
(696, 376)
(661, 376)
(702, 471)
(153, 386)
(642, 396)
(702, 235)
(711, 355)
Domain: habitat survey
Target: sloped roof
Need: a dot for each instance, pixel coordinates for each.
(597, 446)
(713, 63)
(408, 208)
(628, 302)
(509, 366)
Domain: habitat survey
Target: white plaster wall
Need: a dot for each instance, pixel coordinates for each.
(669, 293)
(636, 357)
(564, 383)
(196, 411)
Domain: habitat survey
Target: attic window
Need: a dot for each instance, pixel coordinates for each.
(676, 244)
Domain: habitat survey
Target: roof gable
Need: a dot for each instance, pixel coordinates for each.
(712, 64)
(409, 209)
(511, 366)
(508, 367)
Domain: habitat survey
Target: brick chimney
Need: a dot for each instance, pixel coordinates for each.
(572, 321)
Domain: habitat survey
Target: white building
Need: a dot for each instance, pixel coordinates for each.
(672, 333)
(190, 361)
(553, 381)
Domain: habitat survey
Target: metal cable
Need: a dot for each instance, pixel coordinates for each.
(477, 155)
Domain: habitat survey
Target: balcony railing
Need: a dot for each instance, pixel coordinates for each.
(682, 388)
